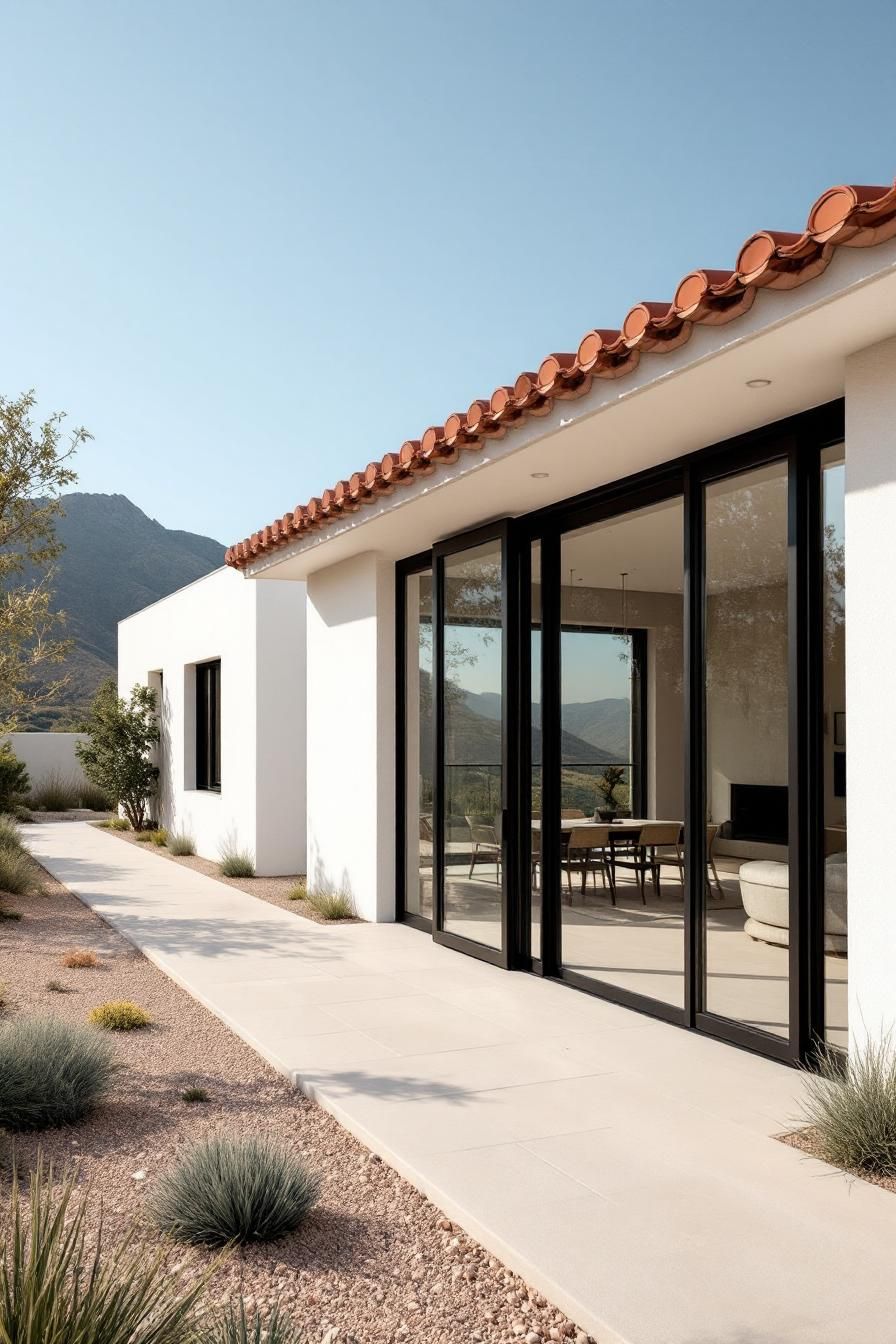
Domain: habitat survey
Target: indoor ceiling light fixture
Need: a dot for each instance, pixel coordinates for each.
(759, 382)
(539, 475)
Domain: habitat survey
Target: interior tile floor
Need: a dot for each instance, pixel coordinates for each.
(625, 1167)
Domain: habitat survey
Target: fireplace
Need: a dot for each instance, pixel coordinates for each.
(759, 812)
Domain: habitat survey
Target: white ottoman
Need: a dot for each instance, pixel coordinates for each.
(765, 892)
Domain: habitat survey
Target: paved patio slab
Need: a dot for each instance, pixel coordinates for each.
(623, 1166)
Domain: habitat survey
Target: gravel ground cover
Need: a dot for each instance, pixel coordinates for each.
(274, 890)
(376, 1261)
(808, 1142)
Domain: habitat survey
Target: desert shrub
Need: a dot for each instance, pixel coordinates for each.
(54, 1286)
(9, 914)
(331, 904)
(10, 835)
(117, 757)
(233, 1326)
(56, 987)
(851, 1103)
(94, 798)
(118, 824)
(181, 843)
(51, 1073)
(235, 1190)
(14, 782)
(194, 1096)
(4, 994)
(79, 959)
(119, 1015)
(56, 792)
(159, 836)
(299, 892)
(236, 862)
(18, 872)
(144, 837)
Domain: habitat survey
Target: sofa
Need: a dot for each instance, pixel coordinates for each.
(765, 892)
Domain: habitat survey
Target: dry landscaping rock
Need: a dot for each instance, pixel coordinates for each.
(374, 1263)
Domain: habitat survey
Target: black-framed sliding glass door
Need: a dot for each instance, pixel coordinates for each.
(625, 764)
(475, 756)
(608, 746)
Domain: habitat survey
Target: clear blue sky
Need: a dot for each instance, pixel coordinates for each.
(254, 245)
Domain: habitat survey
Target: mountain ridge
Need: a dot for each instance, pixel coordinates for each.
(116, 560)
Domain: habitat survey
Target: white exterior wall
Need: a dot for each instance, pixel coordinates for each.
(257, 630)
(48, 754)
(351, 732)
(870, 664)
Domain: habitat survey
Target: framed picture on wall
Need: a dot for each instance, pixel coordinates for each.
(839, 728)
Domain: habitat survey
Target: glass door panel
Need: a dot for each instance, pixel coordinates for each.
(622, 891)
(833, 649)
(418, 745)
(473, 711)
(747, 906)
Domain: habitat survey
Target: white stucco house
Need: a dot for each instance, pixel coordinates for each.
(594, 665)
(232, 718)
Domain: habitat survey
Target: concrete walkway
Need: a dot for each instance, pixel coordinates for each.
(624, 1167)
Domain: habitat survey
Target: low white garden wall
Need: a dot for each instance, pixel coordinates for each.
(49, 754)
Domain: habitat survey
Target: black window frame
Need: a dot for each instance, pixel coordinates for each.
(208, 726)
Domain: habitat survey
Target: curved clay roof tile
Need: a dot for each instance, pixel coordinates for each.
(846, 215)
(501, 402)
(373, 480)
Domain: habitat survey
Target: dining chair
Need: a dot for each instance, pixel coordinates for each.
(711, 832)
(586, 852)
(627, 851)
(485, 835)
(662, 844)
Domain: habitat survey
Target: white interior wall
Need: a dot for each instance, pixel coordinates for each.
(258, 637)
(870, 660)
(351, 732)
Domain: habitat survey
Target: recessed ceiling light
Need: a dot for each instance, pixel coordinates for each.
(759, 382)
(539, 475)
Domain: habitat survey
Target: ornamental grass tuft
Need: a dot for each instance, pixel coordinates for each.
(79, 959)
(851, 1103)
(10, 835)
(119, 1015)
(51, 1073)
(18, 872)
(236, 862)
(94, 798)
(331, 904)
(235, 1190)
(299, 892)
(194, 1096)
(181, 843)
(60, 1283)
(233, 1326)
(56, 792)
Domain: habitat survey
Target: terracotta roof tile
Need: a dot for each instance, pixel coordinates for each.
(841, 217)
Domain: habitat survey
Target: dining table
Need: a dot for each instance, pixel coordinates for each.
(620, 833)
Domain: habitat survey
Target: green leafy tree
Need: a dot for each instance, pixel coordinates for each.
(35, 465)
(14, 781)
(117, 755)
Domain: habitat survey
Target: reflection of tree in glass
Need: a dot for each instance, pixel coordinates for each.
(746, 583)
(834, 559)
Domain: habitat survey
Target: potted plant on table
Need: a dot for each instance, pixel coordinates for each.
(609, 782)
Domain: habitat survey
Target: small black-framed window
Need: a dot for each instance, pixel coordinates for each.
(208, 725)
